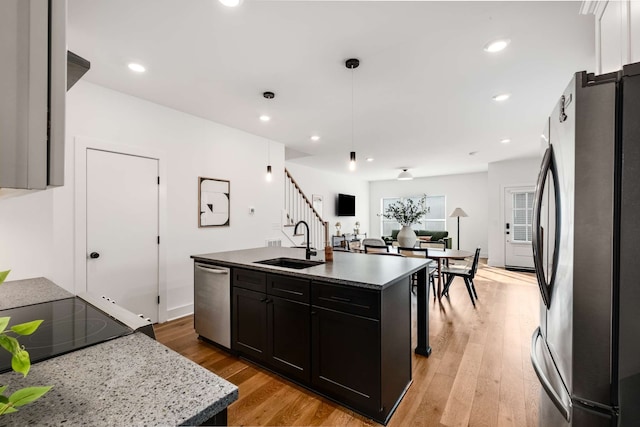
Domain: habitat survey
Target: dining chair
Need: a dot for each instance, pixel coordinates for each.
(432, 269)
(373, 241)
(375, 248)
(466, 272)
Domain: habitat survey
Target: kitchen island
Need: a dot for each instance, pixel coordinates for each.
(130, 380)
(339, 328)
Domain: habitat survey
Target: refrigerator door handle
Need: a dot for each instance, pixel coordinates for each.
(537, 241)
(564, 408)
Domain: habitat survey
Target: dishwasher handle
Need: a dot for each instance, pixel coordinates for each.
(211, 269)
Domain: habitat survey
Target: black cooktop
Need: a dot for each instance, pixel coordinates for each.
(69, 324)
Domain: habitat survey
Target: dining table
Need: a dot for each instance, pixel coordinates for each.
(441, 255)
(437, 254)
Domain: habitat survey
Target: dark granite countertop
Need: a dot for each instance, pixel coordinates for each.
(347, 268)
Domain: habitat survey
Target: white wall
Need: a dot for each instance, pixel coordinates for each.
(466, 191)
(26, 235)
(508, 173)
(37, 230)
(314, 181)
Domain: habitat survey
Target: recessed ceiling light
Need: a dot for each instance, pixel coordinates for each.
(369, 159)
(505, 140)
(230, 3)
(315, 138)
(265, 118)
(502, 97)
(496, 45)
(136, 67)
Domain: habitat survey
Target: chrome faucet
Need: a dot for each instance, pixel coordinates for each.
(308, 252)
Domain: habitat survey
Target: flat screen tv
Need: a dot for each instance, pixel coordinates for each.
(346, 205)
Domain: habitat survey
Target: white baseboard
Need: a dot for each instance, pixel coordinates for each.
(178, 312)
(493, 263)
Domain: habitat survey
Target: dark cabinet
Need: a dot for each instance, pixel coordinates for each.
(289, 337)
(271, 329)
(361, 345)
(346, 357)
(348, 343)
(249, 329)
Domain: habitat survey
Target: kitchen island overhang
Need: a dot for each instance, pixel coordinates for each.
(351, 319)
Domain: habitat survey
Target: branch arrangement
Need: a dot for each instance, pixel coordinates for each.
(407, 212)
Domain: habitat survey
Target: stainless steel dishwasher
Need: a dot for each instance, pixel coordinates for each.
(212, 303)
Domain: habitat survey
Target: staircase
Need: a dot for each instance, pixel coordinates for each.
(297, 207)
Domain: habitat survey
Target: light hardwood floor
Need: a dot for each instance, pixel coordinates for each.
(479, 373)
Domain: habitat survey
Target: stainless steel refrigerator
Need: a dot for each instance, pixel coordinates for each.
(586, 244)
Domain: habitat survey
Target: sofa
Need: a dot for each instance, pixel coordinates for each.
(436, 236)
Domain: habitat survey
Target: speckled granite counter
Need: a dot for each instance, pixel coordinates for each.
(13, 293)
(132, 380)
(347, 268)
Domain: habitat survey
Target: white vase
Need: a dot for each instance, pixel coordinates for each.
(407, 237)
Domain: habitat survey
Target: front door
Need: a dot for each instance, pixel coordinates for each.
(122, 230)
(518, 214)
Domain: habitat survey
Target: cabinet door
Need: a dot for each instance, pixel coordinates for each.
(289, 337)
(346, 357)
(249, 331)
(24, 39)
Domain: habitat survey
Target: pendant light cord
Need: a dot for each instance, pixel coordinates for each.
(353, 145)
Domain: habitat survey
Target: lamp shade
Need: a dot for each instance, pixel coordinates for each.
(405, 176)
(458, 212)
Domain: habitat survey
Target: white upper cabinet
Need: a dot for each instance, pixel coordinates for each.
(617, 33)
(33, 88)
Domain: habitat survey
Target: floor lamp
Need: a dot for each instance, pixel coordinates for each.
(457, 213)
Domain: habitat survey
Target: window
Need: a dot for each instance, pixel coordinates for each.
(522, 216)
(434, 220)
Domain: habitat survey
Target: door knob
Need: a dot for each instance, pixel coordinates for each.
(94, 255)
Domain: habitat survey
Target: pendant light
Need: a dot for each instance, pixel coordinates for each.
(269, 177)
(405, 175)
(352, 64)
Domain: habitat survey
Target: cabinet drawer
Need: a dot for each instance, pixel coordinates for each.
(249, 279)
(288, 287)
(359, 301)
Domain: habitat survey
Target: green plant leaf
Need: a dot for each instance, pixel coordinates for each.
(9, 343)
(20, 362)
(4, 321)
(3, 275)
(27, 395)
(6, 409)
(26, 328)
(4, 399)
(2, 389)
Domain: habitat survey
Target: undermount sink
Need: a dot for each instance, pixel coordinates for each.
(290, 262)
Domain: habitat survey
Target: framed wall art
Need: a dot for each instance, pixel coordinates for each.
(316, 202)
(213, 202)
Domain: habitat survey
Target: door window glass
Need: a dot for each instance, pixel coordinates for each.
(522, 216)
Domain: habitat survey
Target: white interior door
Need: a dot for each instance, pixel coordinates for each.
(122, 230)
(518, 214)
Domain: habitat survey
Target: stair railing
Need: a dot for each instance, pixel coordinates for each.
(298, 208)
